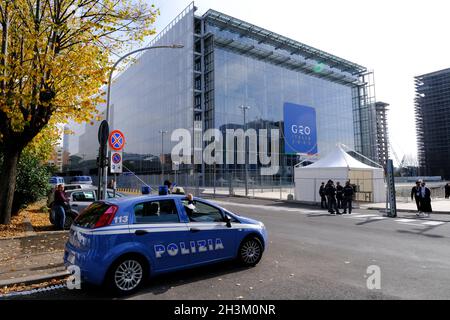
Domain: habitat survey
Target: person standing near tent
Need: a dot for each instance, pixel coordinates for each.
(415, 193)
(425, 199)
(330, 191)
(327, 194)
(339, 196)
(323, 198)
(447, 190)
(348, 193)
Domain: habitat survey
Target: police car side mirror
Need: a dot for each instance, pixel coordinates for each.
(228, 221)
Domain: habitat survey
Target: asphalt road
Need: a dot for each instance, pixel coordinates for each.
(313, 255)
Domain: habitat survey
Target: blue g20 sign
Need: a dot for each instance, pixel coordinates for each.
(300, 130)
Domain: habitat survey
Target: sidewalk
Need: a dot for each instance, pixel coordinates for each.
(440, 206)
(25, 259)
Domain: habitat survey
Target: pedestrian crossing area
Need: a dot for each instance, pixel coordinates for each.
(406, 221)
(355, 216)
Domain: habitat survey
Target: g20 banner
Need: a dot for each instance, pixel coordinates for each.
(300, 130)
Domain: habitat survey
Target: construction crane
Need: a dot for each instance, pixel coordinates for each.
(400, 163)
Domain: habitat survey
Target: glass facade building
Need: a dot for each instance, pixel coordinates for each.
(227, 63)
(432, 111)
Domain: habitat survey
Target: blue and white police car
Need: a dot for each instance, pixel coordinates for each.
(121, 242)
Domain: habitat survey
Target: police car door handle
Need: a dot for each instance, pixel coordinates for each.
(194, 230)
(140, 232)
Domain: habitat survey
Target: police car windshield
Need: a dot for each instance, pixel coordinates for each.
(198, 211)
(67, 188)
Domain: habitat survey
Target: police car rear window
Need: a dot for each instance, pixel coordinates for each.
(90, 216)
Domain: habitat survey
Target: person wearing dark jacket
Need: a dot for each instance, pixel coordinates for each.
(58, 206)
(323, 198)
(425, 199)
(447, 190)
(348, 193)
(339, 196)
(330, 191)
(415, 194)
(169, 186)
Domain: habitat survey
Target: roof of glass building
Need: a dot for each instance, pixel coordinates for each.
(280, 42)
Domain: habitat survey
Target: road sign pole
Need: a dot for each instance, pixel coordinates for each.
(115, 185)
(392, 212)
(103, 133)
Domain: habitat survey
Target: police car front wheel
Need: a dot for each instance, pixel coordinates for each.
(250, 251)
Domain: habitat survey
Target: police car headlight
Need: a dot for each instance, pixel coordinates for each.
(262, 225)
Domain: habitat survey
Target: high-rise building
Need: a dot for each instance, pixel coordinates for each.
(381, 109)
(432, 111)
(227, 63)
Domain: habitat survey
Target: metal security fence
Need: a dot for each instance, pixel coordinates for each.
(211, 184)
(232, 183)
(403, 192)
(365, 190)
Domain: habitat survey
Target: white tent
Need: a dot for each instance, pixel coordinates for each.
(338, 165)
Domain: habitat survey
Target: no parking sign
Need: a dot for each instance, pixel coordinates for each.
(116, 143)
(116, 162)
(116, 140)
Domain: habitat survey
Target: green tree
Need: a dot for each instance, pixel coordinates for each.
(32, 180)
(54, 57)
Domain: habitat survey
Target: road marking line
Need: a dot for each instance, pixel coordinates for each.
(433, 223)
(412, 224)
(407, 220)
(361, 216)
(270, 208)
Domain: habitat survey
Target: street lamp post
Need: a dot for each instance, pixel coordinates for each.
(244, 109)
(162, 154)
(173, 46)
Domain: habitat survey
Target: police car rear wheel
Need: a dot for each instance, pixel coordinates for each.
(68, 222)
(127, 275)
(250, 251)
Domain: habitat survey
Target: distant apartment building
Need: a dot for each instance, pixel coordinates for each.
(381, 109)
(432, 112)
(57, 158)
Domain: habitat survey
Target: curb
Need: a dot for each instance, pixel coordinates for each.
(34, 279)
(34, 234)
(29, 231)
(295, 202)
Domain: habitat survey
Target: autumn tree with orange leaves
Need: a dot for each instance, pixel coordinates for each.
(54, 57)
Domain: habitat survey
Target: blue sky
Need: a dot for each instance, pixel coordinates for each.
(396, 39)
